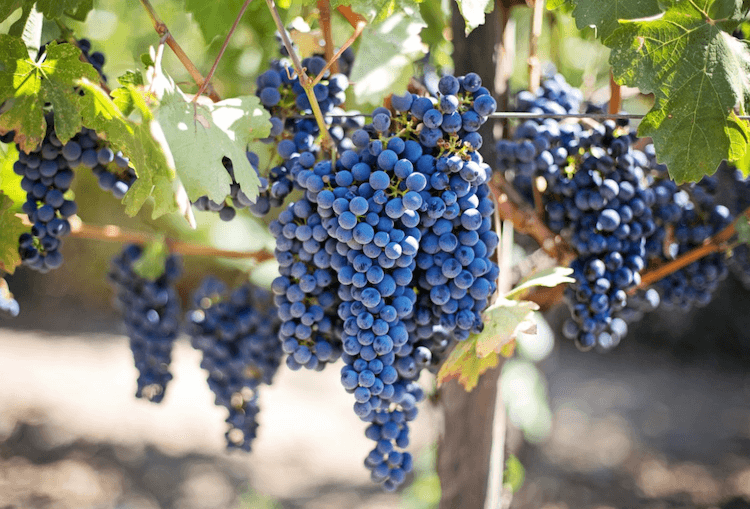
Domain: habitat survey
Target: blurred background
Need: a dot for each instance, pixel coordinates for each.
(663, 421)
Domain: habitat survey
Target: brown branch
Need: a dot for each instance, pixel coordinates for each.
(352, 17)
(615, 95)
(207, 81)
(112, 233)
(716, 244)
(525, 220)
(162, 29)
(535, 68)
(324, 9)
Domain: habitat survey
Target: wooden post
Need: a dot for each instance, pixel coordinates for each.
(467, 463)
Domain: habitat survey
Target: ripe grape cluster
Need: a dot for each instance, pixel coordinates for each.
(47, 174)
(618, 210)
(151, 312)
(387, 257)
(237, 332)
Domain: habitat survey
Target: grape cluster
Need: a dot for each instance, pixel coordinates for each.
(237, 332)
(47, 175)
(619, 211)
(151, 312)
(9, 307)
(387, 256)
(686, 216)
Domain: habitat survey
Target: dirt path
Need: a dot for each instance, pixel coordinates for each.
(87, 441)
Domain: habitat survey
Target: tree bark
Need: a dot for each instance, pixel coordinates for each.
(465, 455)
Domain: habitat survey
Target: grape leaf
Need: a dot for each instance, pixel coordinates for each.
(502, 322)
(10, 182)
(464, 365)
(11, 228)
(76, 9)
(383, 64)
(135, 140)
(697, 72)
(213, 18)
(473, 12)
(548, 277)
(30, 85)
(200, 135)
(150, 265)
(605, 16)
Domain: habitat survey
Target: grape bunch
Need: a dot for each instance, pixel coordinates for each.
(619, 211)
(686, 216)
(387, 256)
(151, 312)
(9, 307)
(47, 176)
(237, 332)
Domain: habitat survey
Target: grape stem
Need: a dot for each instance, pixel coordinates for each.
(162, 29)
(305, 81)
(210, 75)
(112, 233)
(716, 244)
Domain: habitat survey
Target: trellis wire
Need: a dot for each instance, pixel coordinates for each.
(523, 115)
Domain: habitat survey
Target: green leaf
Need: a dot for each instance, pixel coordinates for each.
(8, 7)
(605, 16)
(514, 474)
(10, 182)
(698, 73)
(11, 228)
(502, 322)
(151, 263)
(30, 85)
(137, 141)
(383, 64)
(213, 18)
(52, 9)
(743, 229)
(200, 135)
(464, 365)
(473, 12)
(548, 277)
(134, 78)
(81, 11)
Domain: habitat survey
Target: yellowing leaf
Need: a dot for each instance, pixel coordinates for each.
(548, 277)
(464, 365)
(11, 228)
(502, 322)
